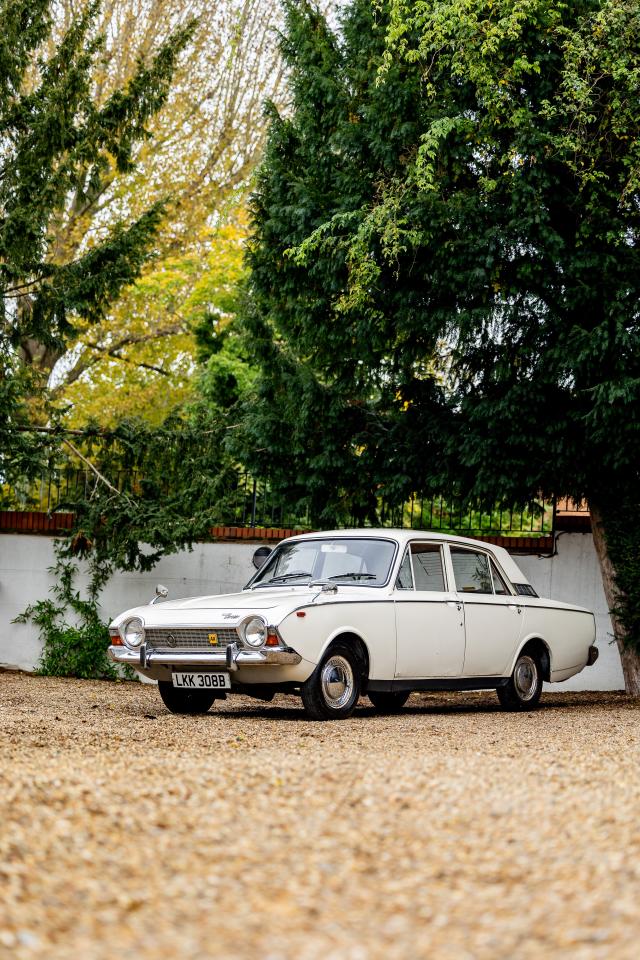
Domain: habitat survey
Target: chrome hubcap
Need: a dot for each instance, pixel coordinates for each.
(336, 681)
(525, 677)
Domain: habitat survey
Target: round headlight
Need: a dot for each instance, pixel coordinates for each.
(133, 632)
(254, 632)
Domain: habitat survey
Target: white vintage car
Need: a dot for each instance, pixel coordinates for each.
(331, 616)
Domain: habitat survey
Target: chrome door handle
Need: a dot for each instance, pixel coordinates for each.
(512, 606)
(454, 603)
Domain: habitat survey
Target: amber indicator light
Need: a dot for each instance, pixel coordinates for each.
(273, 639)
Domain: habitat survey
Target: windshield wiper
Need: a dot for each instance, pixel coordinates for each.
(354, 576)
(285, 576)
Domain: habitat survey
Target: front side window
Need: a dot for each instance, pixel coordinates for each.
(428, 571)
(421, 568)
(471, 571)
(404, 579)
(365, 562)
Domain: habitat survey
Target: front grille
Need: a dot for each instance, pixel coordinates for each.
(189, 638)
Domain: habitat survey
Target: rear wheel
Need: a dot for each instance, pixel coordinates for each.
(388, 702)
(185, 701)
(333, 689)
(523, 689)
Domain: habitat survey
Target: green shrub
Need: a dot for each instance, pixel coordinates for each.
(77, 649)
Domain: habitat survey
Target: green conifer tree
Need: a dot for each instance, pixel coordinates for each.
(446, 269)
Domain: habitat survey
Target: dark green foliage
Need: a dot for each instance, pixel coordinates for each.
(160, 489)
(77, 649)
(446, 267)
(329, 417)
(19, 455)
(621, 521)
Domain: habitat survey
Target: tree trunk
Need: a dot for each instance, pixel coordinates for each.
(628, 656)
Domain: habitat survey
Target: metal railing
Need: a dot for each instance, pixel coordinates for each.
(455, 515)
(570, 508)
(250, 502)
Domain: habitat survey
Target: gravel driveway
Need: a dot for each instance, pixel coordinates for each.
(451, 831)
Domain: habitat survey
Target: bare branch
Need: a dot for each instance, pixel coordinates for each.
(91, 466)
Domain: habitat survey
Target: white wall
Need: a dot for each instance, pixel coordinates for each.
(24, 561)
(573, 575)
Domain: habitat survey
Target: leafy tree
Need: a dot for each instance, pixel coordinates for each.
(148, 353)
(445, 274)
(203, 146)
(56, 144)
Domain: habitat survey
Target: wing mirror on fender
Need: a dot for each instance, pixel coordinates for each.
(161, 594)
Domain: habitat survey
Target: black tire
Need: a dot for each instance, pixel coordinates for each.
(388, 702)
(185, 701)
(333, 689)
(523, 689)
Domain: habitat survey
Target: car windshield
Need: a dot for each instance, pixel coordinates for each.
(365, 562)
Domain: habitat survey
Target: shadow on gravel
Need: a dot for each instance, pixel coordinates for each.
(241, 708)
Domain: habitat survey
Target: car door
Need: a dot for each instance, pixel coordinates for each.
(429, 617)
(493, 617)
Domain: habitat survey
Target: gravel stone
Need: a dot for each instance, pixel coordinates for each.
(453, 831)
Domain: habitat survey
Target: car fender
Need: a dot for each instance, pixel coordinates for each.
(311, 635)
(524, 640)
(567, 632)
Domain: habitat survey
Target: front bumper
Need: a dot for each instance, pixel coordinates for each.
(231, 658)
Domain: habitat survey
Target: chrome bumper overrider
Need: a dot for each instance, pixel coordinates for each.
(231, 658)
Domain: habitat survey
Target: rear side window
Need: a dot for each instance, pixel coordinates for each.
(471, 571)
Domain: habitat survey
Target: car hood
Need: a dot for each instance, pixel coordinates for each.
(245, 600)
(232, 608)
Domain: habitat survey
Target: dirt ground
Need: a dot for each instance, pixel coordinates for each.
(453, 830)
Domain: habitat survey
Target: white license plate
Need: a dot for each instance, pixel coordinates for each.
(202, 681)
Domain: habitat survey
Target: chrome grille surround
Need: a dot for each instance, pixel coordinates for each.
(189, 638)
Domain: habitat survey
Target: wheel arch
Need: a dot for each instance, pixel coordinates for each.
(535, 644)
(351, 636)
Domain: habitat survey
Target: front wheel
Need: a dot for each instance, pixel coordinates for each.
(333, 689)
(185, 701)
(523, 689)
(388, 702)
